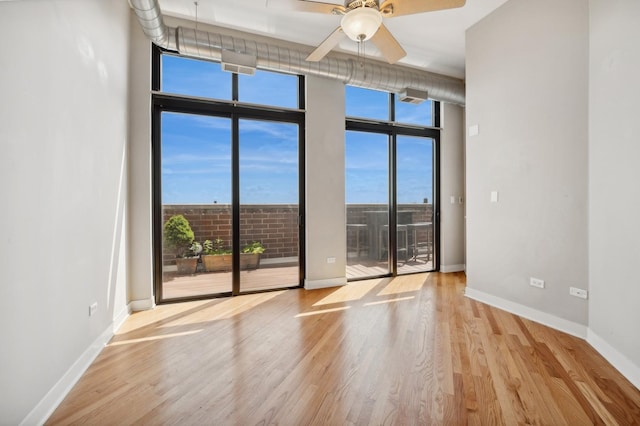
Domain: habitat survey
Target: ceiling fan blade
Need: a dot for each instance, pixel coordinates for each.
(307, 6)
(328, 44)
(391, 8)
(388, 45)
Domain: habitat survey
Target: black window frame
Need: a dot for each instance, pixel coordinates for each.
(235, 111)
(393, 129)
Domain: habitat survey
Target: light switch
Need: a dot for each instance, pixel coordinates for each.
(474, 130)
(494, 196)
(453, 199)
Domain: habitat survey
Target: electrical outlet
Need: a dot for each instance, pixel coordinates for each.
(578, 292)
(331, 260)
(536, 282)
(93, 308)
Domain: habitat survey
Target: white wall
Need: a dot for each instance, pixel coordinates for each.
(325, 183)
(141, 294)
(452, 185)
(527, 85)
(614, 192)
(63, 133)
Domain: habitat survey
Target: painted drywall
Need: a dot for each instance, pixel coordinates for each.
(140, 160)
(614, 193)
(325, 183)
(452, 185)
(527, 85)
(63, 132)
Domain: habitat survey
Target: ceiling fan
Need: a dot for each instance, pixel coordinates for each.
(362, 20)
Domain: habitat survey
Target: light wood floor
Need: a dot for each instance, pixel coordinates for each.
(409, 350)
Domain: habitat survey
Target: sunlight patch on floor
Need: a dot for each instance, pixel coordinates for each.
(158, 314)
(403, 284)
(350, 292)
(397, 299)
(226, 309)
(151, 338)
(322, 311)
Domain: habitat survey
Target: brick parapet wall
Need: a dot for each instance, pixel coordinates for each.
(421, 212)
(274, 225)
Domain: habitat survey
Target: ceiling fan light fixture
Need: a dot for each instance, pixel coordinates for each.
(361, 23)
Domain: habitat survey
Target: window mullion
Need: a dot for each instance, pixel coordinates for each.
(393, 234)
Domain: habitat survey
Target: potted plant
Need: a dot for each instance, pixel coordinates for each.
(178, 236)
(215, 258)
(250, 255)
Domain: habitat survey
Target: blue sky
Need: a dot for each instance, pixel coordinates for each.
(196, 160)
(196, 150)
(367, 168)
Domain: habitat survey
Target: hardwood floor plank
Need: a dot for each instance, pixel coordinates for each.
(507, 398)
(538, 398)
(572, 411)
(598, 406)
(406, 351)
(552, 363)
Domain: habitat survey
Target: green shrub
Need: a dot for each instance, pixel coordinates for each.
(215, 247)
(178, 235)
(255, 247)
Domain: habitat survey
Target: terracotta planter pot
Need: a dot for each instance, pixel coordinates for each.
(249, 261)
(187, 266)
(217, 262)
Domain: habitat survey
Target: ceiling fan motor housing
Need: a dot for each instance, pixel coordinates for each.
(352, 4)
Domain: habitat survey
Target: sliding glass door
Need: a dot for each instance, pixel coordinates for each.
(414, 198)
(391, 184)
(196, 205)
(269, 199)
(204, 251)
(367, 196)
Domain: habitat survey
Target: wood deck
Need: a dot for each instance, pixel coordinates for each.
(371, 268)
(402, 351)
(175, 286)
(204, 283)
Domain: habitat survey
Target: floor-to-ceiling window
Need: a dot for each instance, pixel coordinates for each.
(391, 184)
(228, 186)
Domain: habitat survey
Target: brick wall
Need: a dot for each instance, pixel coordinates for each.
(275, 226)
(421, 212)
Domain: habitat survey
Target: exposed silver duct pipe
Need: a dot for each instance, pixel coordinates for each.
(150, 19)
(375, 75)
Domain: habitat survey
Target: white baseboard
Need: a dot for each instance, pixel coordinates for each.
(541, 317)
(452, 268)
(142, 305)
(59, 391)
(623, 364)
(119, 319)
(331, 282)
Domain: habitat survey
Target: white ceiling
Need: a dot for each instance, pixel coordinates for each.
(434, 41)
